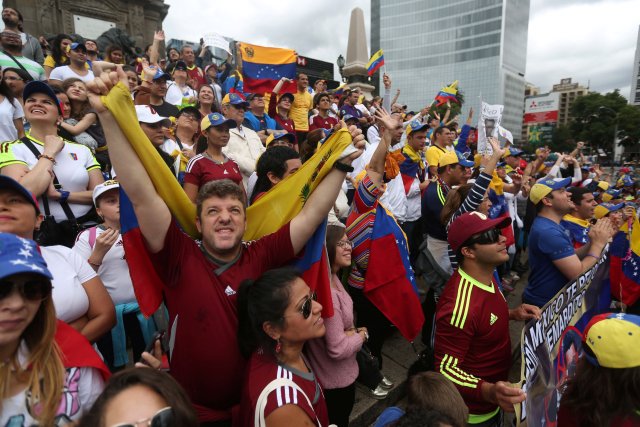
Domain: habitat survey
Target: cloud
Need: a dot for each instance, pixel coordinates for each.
(592, 41)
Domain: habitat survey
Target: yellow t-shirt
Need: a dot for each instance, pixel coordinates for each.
(300, 108)
(433, 155)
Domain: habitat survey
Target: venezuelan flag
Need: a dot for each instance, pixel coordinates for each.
(284, 201)
(499, 208)
(448, 94)
(376, 61)
(263, 67)
(624, 269)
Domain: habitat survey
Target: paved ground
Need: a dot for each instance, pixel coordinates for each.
(399, 355)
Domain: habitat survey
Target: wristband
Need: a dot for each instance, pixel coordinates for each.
(592, 255)
(343, 167)
(48, 157)
(64, 195)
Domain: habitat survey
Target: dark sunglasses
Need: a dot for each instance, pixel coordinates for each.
(488, 237)
(32, 290)
(307, 305)
(163, 418)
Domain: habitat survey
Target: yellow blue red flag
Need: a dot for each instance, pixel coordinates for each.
(376, 61)
(448, 94)
(263, 67)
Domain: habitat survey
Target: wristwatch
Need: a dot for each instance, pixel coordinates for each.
(343, 167)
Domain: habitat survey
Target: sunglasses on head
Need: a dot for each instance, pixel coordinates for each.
(32, 290)
(163, 418)
(486, 238)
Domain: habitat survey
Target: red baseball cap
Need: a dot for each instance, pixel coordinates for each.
(470, 224)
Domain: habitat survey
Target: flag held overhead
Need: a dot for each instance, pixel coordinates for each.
(376, 61)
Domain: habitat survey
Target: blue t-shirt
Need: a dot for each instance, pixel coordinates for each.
(548, 242)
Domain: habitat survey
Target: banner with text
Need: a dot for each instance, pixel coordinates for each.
(552, 345)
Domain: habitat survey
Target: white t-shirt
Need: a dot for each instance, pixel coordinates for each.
(69, 271)
(65, 72)
(80, 389)
(114, 271)
(8, 113)
(175, 94)
(72, 167)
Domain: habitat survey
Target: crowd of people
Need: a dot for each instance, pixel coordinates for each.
(240, 337)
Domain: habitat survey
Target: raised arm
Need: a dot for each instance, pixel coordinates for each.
(386, 101)
(375, 169)
(153, 214)
(322, 199)
(154, 54)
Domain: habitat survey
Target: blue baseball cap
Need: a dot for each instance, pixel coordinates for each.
(513, 151)
(234, 99)
(36, 86)
(216, 119)
(348, 117)
(12, 184)
(416, 126)
(545, 186)
(161, 75)
(75, 45)
(18, 255)
(603, 209)
(501, 164)
(273, 137)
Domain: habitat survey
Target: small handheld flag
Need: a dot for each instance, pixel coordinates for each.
(448, 93)
(376, 61)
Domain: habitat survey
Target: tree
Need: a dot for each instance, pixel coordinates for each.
(597, 117)
(562, 141)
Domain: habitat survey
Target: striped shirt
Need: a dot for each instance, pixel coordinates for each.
(34, 69)
(472, 343)
(470, 204)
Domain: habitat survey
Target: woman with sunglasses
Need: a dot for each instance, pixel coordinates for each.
(42, 381)
(141, 397)
(277, 315)
(333, 357)
(80, 298)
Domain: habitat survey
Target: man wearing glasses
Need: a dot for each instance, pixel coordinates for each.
(245, 146)
(11, 55)
(472, 344)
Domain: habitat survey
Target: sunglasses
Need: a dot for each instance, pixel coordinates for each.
(307, 305)
(32, 290)
(488, 237)
(163, 418)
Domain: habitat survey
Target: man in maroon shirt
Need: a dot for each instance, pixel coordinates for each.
(472, 345)
(195, 73)
(201, 279)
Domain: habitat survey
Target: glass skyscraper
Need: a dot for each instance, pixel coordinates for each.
(429, 43)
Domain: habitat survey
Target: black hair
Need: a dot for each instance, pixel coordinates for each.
(263, 300)
(25, 76)
(273, 160)
(577, 194)
(159, 382)
(56, 52)
(6, 91)
(438, 131)
(334, 234)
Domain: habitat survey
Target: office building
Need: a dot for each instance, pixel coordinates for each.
(569, 92)
(429, 43)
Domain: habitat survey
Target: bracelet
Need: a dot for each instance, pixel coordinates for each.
(93, 263)
(64, 195)
(592, 255)
(343, 167)
(48, 157)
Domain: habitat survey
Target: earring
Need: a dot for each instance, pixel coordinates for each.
(278, 346)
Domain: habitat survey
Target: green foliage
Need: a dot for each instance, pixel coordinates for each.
(562, 141)
(596, 117)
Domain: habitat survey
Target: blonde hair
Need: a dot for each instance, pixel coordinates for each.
(45, 372)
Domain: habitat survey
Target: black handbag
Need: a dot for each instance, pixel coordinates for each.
(63, 232)
(368, 366)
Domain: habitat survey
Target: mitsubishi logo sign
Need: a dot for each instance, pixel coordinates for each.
(302, 61)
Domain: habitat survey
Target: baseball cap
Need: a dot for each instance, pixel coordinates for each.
(415, 126)
(36, 86)
(251, 96)
(161, 75)
(348, 117)
(216, 119)
(603, 185)
(287, 95)
(234, 99)
(612, 340)
(18, 255)
(545, 186)
(74, 46)
(471, 223)
(180, 66)
(100, 189)
(453, 157)
(513, 151)
(10, 183)
(610, 194)
(501, 164)
(191, 110)
(146, 114)
(289, 136)
(603, 209)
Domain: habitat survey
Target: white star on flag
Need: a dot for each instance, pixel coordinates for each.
(18, 262)
(35, 267)
(25, 252)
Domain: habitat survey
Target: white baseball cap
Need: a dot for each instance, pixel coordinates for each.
(100, 189)
(147, 114)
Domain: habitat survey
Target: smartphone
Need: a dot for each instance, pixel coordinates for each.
(149, 349)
